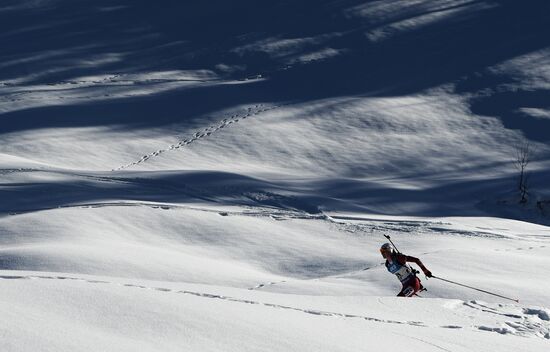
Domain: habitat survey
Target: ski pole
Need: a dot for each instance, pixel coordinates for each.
(389, 239)
(477, 289)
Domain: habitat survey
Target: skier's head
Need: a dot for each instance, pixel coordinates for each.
(386, 249)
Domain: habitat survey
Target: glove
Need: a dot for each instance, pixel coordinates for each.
(428, 273)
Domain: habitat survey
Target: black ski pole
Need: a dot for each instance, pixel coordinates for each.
(389, 239)
(477, 289)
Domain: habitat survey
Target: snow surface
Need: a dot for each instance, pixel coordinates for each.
(210, 176)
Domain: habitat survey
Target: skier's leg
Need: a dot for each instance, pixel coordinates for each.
(410, 288)
(406, 292)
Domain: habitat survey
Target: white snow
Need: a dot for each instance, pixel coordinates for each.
(159, 275)
(158, 194)
(531, 71)
(150, 316)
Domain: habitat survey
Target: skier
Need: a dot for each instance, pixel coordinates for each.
(396, 263)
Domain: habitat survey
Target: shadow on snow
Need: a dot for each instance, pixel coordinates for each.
(55, 41)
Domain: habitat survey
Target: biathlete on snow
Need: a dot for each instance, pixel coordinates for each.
(396, 263)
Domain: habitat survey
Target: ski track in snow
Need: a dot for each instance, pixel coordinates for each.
(274, 213)
(213, 296)
(271, 283)
(365, 228)
(519, 249)
(405, 226)
(335, 276)
(206, 132)
(532, 322)
(281, 214)
(429, 343)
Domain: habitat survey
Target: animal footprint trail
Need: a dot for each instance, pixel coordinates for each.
(208, 131)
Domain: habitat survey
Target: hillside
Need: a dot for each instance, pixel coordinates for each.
(220, 176)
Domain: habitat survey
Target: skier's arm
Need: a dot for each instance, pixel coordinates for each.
(417, 261)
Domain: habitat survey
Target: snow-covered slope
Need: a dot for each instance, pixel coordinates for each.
(218, 176)
(106, 314)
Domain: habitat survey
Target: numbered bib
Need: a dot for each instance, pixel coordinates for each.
(403, 272)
